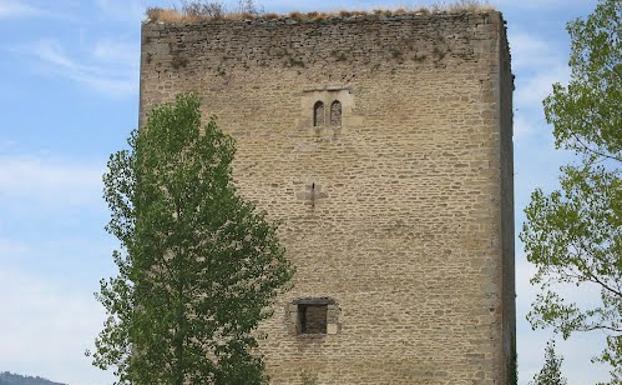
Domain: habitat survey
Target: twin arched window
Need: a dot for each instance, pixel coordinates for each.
(335, 114)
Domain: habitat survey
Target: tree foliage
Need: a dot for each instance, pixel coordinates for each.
(551, 373)
(574, 235)
(199, 265)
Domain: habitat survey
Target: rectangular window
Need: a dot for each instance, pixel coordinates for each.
(312, 318)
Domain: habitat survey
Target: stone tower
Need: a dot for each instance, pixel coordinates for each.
(383, 143)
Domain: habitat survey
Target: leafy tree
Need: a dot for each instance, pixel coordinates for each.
(574, 235)
(550, 374)
(199, 265)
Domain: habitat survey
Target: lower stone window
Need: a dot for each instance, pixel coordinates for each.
(313, 316)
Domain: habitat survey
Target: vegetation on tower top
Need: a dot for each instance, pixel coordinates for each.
(196, 11)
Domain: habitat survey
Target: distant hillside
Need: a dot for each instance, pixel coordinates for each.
(7, 378)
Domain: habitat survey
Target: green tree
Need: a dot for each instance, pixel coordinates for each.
(574, 235)
(199, 266)
(551, 373)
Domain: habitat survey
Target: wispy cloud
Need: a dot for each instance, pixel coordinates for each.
(113, 72)
(541, 62)
(531, 91)
(531, 52)
(10, 247)
(123, 10)
(524, 126)
(37, 180)
(539, 4)
(46, 328)
(18, 9)
(538, 63)
(14, 8)
(117, 52)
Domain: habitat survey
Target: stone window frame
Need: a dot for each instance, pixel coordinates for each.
(327, 94)
(332, 313)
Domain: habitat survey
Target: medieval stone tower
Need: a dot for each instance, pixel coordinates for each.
(383, 143)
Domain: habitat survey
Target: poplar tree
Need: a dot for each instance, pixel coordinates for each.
(198, 267)
(551, 373)
(574, 235)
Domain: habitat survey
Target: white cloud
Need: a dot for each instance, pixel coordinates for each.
(523, 127)
(530, 91)
(532, 52)
(45, 181)
(119, 78)
(124, 10)
(45, 329)
(540, 63)
(7, 145)
(285, 5)
(538, 4)
(13, 8)
(117, 52)
(10, 247)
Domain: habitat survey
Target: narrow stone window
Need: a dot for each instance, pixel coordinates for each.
(318, 114)
(312, 318)
(335, 113)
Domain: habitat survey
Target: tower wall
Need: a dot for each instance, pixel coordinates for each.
(400, 217)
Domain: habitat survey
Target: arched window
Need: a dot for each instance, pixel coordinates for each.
(335, 113)
(318, 114)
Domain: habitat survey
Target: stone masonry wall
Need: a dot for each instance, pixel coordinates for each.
(401, 215)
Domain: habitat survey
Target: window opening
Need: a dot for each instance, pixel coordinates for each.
(335, 113)
(312, 318)
(318, 114)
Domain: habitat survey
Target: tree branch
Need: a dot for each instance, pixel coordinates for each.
(595, 152)
(601, 327)
(592, 277)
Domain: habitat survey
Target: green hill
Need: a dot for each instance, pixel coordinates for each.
(7, 378)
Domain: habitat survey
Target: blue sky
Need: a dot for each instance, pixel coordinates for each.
(69, 97)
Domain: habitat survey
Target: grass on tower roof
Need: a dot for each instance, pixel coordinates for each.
(177, 16)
